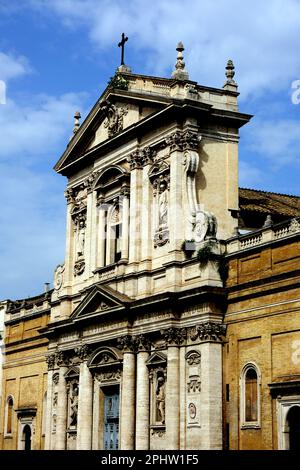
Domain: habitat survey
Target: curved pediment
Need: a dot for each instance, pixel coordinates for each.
(105, 357)
(110, 177)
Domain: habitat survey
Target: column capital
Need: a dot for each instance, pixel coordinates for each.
(183, 140)
(63, 358)
(127, 343)
(174, 336)
(142, 343)
(83, 352)
(50, 360)
(140, 158)
(70, 195)
(135, 160)
(208, 331)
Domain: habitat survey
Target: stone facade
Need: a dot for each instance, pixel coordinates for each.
(24, 371)
(134, 334)
(263, 329)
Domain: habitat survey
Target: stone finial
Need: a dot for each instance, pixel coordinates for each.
(268, 222)
(180, 73)
(77, 117)
(230, 73)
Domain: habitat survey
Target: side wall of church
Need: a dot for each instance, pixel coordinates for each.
(262, 329)
(24, 381)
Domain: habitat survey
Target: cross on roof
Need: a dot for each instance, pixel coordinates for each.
(122, 44)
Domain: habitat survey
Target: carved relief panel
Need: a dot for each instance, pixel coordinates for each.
(54, 402)
(193, 387)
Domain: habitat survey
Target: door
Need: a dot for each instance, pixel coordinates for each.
(27, 437)
(111, 421)
(293, 419)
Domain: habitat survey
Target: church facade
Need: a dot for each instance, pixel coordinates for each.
(159, 322)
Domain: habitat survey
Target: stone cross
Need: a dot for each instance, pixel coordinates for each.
(122, 44)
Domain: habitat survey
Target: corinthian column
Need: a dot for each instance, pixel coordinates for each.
(51, 362)
(174, 337)
(101, 233)
(61, 408)
(135, 203)
(85, 403)
(143, 395)
(125, 224)
(128, 394)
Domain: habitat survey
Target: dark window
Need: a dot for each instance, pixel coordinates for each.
(227, 392)
(251, 399)
(10, 407)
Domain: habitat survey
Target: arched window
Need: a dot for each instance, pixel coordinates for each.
(114, 232)
(9, 415)
(250, 396)
(112, 188)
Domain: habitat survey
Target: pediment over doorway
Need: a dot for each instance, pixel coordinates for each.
(101, 300)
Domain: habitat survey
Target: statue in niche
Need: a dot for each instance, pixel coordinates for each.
(160, 400)
(80, 237)
(163, 205)
(74, 405)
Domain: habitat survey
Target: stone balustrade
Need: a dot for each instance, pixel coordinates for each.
(264, 235)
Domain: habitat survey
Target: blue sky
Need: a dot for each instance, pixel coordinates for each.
(56, 56)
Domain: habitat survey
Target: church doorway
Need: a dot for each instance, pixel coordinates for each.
(111, 419)
(27, 437)
(293, 421)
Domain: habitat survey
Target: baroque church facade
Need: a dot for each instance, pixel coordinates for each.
(158, 331)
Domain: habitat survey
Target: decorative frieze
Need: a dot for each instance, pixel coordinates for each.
(209, 331)
(113, 375)
(174, 336)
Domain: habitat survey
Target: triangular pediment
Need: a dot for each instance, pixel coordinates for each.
(116, 111)
(157, 358)
(100, 301)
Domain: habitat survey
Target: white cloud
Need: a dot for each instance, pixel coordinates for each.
(277, 140)
(261, 37)
(32, 217)
(249, 175)
(35, 127)
(12, 66)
